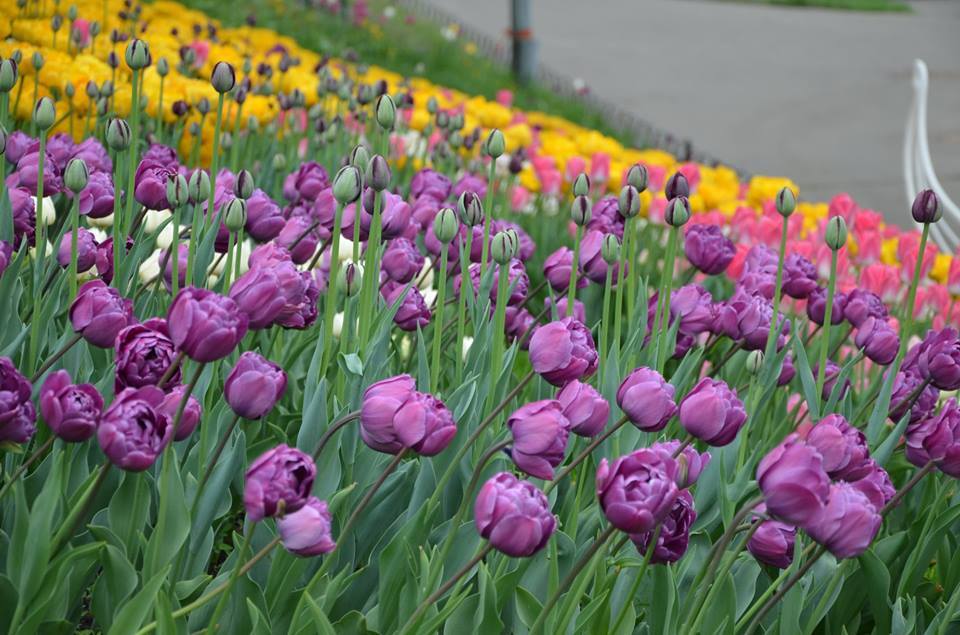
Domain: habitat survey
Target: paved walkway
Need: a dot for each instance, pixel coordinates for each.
(818, 95)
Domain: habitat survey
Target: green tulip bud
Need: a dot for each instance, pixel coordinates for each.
(359, 156)
(456, 140)
(347, 185)
(350, 279)
(247, 67)
(72, 12)
(446, 225)
(223, 78)
(118, 135)
(678, 211)
(629, 201)
(235, 214)
(8, 75)
(386, 112)
(443, 120)
(610, 249)
(432, 105)
(106, 88)
(754, 362)
(836, 234)
(92, 90)
(137, 55)
(44, 113)
(581, 185)
(203, 106)
(194, 129)
(69, 90)
(501, 248)
(163, 67)
(37, 60)
(470, 209)
(580, 210)
(279, 161)
(199, 186)
(94, 28)
(378, 173)
(178, 191)
(3, 141)
(243, 186)
(496, 144)
(75, 175)
(786, 201)
(226, 140)
(56, 22)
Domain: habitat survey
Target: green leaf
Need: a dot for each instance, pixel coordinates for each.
(352, 364)
(118, 581)
(162, 613)
(883, 453)
(662, 614)
(260, 625)
(8, 598)
(129, 618)
(528, 606)
(173, 518)
(129, 509)
(877, 579)
(808, 383)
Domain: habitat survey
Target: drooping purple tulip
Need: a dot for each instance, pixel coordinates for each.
(17, 414)
(254, 385)
(817, 306)
(584, 407)
(513, 515)
(556, 269)
(540, 432)
(205, 325)
(562, 351)
(878, 340)
(308, 531)
(794, 484)
(189, 419)
(939, 440)
(395, 416)
(264, 218)
(86, 250)
(96, 199)
(861, 305)
(647, 399)
(394, 216)
(306, 183)
(690, 462)
(71, 410)
(23, 210)
(712, 412)
(27, 174)
(906, 382)
(278, 481)
(99, 313)
(693, 306)
(150, 188)
(638, 490)
(939, 360)
(133, 431)
(848, 523)
(772, 542)
(843, 448)
(876, 485)
(674, 532)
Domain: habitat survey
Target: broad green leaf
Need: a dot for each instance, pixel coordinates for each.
(877, 579)
(130, 617)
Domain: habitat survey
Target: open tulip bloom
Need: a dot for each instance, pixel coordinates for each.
(293, 343)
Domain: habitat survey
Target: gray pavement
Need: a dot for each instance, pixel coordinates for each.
(818, 95)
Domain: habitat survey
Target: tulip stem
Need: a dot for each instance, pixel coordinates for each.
(172, 369)
(488, 214)
(499, 318)
(909, 485)
(621, 283)
(605, 321)
(212, 463)
(74, 238)
(628, 600)
(330, 304)
(40, 249)
(119, 238)
(571, 576)
(446, 586)
(371, 270)
(664, 322)
(907, 326)
(462, 301)
(774, 327)
(78, 513)
(318, 255)
(26, 464)
(218, 611)
(133, 157)
(175, 253)
(572, 288)
(339, 423)
(438, 321)
(827, 318)
(215, 158)
(56, 356)
(786, 586)
(583, 455)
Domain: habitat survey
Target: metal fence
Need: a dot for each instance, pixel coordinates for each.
(641, 132)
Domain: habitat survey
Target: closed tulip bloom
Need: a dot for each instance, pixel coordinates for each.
(105, 258)
(878, 340)
(540, 432)
(794, 484)
(278, 481)
(831, 375)
(940, 360)
(297, 228)
(412, 312)
(27, 173)
(134, 430)
(23, 210)
(772, 542)
(741, 315)
(205, 325)
(424, 424)
(17, 413)
(799, 277)
(584, 407)
(638, 490)
(517, 323)
(264, 217)
(513, 515)
(817, 306)
(556, 269)
(940, 439)
(151, 184)
(562, 351)
(787, 371)
(674, 532)
(906, 382)
(99, 313)
(843, 448)
(308, 531)
(262, 292)
(86, 250)
(254, 385)
(18, 144)
(518, 282)
(861, 305)
(382, 401)
(402, 261)
(592, 264)
(192, 412)
(647, 399)
(71, 410)
(708, 249)
(306, 183)
(848, 524)
(690, 462)
(712, 412)
(876, 485)
(693, 306)
(96, 199)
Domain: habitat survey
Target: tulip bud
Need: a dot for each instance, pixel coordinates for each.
(199, 186)
(163, 67)
(223, 78)
(178, 192)
(44, 113)
(56, 22)
(378, 173)
(786, 201)
(137, 54)
(72, 12)
(3, 141)
(446, 225)
(103, 106)
(580, 210)
(502, 248)
(235, 215)
(17, 56)
(443, 120)
(581, 185)
(386, 112)
(836, 234)
(496, 144)
(629, 202)
(279, 161)
(347, 185)
(92, 90)
(106, 88)
(926, 207)
(637, 176)
(37, 60)
(226, 140)
(95, 28)
(75, 176)
(113, 61)
(678, 211)
(754, 362)
(8, 75)
(69, 90)
(243, 187)
(610, 249)
(118, 135)
(349, 279)
(359, 156)
(203, 106)
(470, 209)
(677, 185)
(432, 105)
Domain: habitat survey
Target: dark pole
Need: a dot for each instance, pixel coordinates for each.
(524, 47)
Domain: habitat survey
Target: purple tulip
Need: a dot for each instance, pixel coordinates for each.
(300, 313)
(592, 264)
(394, 215)
(939, 360)
(189, 419)
(556, 269)
(99, 313)
(134, 430)
(540, 432)
(269, 292)
(638, 490)
(23, 210)
(830, 376)
(693, 306)
(843, 448)
(164, 155)
(205, 325)
(518, 322)
(938, 440)
(264, 219)
(278, 481)
(787, 371)
(848, 523)
(861, 305)
(143, 354)
(674, 532)
(6, 255)
(412, 312)
(690, 463)
(96, 199)
(430, 184)
(402, 261)
(772, 542)
(584, 407)
(425, 424)
(17, 413)
(799, 277)
(876, 485)
(86, 250)
(297, 228)
(794, 484)
(513, 515)
(61, 147)
(151, 184)
(18, 144)
(470, 183)
(562, 351)
(27, 173)
(712, 412)
(743, 315)
(606, 217)
(94, 155)
(306, 183)
(380, 419)
(817, 306)
(183, 257)
(518, 283)
(879, 341)
(254, 386)
(422, 212)
(906, 382)
(308, 531)
(708, 249)
(579, 310)
(647, 399)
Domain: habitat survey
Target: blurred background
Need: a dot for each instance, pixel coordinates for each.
(820, 95)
